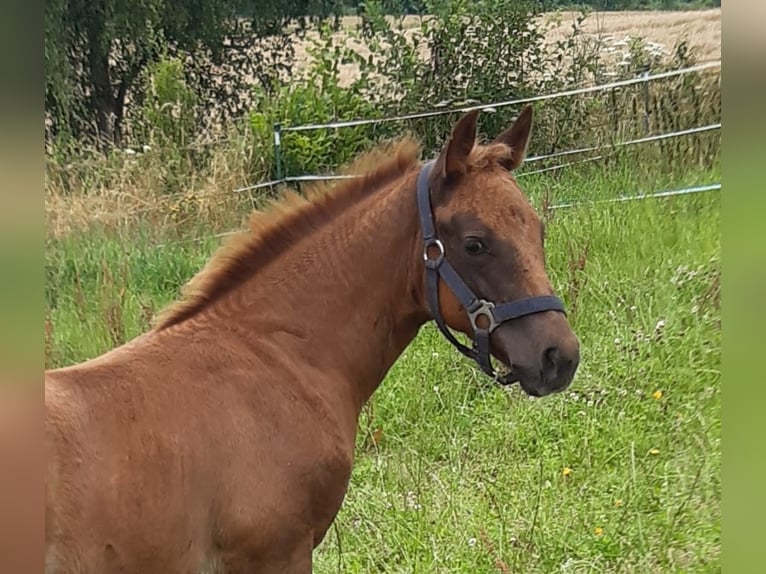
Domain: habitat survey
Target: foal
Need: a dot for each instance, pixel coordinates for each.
(223, 439)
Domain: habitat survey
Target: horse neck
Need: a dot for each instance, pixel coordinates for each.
(346, 299)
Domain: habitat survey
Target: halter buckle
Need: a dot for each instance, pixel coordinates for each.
(484, 308)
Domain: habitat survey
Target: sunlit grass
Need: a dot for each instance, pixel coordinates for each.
(621, 473)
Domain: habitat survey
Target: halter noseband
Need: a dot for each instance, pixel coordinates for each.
(479, 310)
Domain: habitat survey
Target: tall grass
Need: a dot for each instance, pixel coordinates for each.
(621, 473)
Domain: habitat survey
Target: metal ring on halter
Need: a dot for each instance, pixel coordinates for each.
(433, 262)
(486, 309)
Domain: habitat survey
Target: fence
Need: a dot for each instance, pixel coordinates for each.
(644, 79)
(619, 199)
(531, 159)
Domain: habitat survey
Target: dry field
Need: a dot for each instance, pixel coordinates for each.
(701, 29)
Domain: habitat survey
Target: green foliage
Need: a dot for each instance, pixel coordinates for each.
(169, 101)
(95, 52)
(480, 53)
(462, 54)
(465, 40)
(316, 98)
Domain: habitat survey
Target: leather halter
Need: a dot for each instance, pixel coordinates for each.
(488, 313)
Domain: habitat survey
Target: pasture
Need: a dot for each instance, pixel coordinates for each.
(621, 473)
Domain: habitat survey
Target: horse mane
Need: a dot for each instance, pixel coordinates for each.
(287, 220)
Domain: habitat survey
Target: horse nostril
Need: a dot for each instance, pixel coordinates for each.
(551, 358)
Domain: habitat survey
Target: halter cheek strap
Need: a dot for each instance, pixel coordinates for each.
(485, 316)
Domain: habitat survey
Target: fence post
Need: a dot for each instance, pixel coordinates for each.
(278, 149)
(646, 100)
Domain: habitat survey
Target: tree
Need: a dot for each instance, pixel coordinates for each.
(96, 50)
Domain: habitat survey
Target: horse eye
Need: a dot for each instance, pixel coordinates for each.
(474, 246)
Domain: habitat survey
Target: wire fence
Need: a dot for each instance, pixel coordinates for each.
(514, 102)
(648, 139)
(644, 78)
(656, 195)
(531, 159)
(218, 139)
(313, 178)
(716, 186)
(216, 199)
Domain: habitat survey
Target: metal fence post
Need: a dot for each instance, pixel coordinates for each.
(278, 149)
(646, 100)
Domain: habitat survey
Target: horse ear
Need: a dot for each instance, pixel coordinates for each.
(517, 138)
(453, 160)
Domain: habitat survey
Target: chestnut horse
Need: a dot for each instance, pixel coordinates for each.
(222, 440)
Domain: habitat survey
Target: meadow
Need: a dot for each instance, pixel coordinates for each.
(620, 473)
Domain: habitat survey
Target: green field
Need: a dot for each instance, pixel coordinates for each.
(621, 473)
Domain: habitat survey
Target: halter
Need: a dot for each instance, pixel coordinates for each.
(489, 313)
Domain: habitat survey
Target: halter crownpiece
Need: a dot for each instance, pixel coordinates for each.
(485, 316)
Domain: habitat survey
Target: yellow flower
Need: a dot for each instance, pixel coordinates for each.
(598, 530)
(654, 451)
(618, 503)
(566, 471)
(657, 394)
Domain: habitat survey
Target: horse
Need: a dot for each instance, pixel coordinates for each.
(222, 438)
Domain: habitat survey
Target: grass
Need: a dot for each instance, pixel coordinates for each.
(621, 473)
